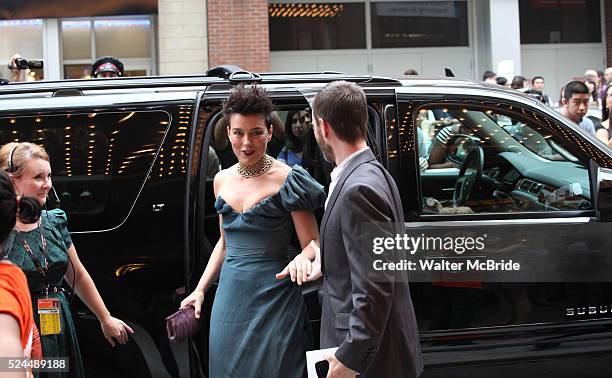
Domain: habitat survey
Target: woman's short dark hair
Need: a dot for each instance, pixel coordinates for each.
(248, 100)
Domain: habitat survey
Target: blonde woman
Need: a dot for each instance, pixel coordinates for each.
(45, 252)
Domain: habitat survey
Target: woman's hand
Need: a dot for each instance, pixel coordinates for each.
(195, 300)
(115, 330)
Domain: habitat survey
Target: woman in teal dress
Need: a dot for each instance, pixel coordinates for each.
(259, 324)
(45, 252)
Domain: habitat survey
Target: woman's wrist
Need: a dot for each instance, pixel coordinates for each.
(200, 289)
(105, 317)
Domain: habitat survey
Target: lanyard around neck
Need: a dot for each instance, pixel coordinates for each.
(42, 270)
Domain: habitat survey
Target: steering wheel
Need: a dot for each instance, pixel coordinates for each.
(469, 176)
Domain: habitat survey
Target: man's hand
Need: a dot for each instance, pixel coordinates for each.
(299, 269)
(337, 369)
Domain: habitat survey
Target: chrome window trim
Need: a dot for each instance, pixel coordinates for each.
(497, 222)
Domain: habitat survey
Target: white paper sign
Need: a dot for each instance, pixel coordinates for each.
(314, 356)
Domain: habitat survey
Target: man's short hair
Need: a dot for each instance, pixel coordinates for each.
(248, 100)
(344, 106)
(410, 71)
(574, 87)
(488, 74)
(536, 78)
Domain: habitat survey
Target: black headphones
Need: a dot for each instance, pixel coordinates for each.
(11, 166)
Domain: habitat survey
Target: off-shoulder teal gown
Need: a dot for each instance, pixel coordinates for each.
(259, 325)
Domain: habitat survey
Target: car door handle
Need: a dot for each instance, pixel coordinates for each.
(158, 207)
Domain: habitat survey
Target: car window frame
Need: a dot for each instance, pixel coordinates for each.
(414, 102)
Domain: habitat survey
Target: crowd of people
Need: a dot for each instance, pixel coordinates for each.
(585, 101)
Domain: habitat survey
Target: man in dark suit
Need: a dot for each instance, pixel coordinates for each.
(372, 322)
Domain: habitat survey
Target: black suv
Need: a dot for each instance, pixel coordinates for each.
(133, 161)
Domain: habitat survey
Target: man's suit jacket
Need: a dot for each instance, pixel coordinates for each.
(372, 323)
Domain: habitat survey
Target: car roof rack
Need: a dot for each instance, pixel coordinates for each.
(244, 77)
(290, 73)
(152, 82)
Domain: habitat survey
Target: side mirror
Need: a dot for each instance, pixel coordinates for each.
(460, 146)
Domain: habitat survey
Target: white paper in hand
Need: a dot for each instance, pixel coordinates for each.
(314, 356)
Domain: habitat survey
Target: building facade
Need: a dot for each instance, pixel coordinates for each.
(557, 39)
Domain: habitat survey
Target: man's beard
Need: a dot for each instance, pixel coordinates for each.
(326, 149)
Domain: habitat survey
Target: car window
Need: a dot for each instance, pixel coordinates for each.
(99, 160)
(533, 137)
(479, 160)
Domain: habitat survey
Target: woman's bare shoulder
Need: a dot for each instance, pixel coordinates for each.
(221, 177)
(280, 170)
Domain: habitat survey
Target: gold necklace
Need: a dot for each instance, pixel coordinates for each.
(256, 169)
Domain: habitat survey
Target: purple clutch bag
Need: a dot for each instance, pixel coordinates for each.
(182, 324)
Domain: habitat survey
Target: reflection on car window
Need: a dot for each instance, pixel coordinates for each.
(100, 160)
(297, 124)
(486, 160)
(532, 138)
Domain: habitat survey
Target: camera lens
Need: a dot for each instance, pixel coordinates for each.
(21, 64)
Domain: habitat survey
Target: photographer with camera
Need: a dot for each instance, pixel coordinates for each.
(19, 67)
